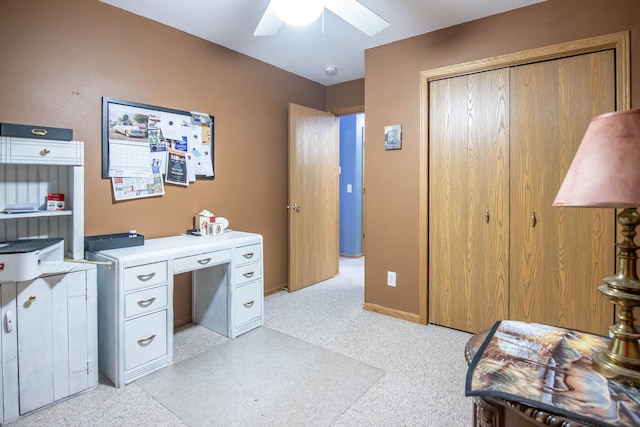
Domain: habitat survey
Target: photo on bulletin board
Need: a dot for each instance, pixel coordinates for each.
(138, 139)
(393, 137)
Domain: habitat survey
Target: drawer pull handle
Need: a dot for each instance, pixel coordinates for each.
(147, 302)
(248, 255)
(39, 132)
(146, 341)
(46, 151)
(248, 274)
(145, 277)
(32, 298)
(204, 261)
(249, 304)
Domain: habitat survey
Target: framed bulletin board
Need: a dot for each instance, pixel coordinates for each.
(138, 138)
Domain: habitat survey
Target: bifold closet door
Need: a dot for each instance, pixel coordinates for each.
(468, 200)
(558, 255)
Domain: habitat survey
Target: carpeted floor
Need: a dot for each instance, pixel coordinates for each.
(397, 373)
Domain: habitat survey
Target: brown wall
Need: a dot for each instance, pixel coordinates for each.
(346, 98)
(392, 90)
(60, 57)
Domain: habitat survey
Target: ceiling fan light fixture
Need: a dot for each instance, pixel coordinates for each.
(298, 12)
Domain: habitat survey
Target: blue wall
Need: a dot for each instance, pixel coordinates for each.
(351, 135)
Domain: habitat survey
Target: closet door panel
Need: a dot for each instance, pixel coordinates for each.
(447, 203)
(558, 255)
(468, 200)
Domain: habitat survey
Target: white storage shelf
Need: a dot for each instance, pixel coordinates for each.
(30, 170)
(48, 342)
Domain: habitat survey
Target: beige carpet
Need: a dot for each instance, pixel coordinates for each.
(262, 378)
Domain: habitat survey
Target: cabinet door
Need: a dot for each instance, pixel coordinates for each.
(468, 205)
(558, 255)
(81, 336)
(9, 403)
(35, 344)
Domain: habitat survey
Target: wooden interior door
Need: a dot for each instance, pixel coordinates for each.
(314, 150)
(558, 255)
(468, 200)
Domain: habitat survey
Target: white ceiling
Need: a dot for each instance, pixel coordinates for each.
(306, 51)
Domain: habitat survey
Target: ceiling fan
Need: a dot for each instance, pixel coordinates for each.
(279, 11)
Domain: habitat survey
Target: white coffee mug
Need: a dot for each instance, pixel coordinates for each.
(215, 229)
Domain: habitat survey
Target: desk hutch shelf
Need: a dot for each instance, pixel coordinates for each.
(48, 339)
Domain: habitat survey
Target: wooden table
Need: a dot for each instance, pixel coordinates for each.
(492, 412)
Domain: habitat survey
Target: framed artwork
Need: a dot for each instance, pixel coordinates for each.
(393, 137)
(140, 139)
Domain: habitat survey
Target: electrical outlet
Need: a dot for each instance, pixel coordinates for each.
(391, 278)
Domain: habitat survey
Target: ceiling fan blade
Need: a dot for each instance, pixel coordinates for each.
(357, 15)
(269, 24)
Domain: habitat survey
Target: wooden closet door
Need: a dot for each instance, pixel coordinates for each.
(468, 206)
(559, 256)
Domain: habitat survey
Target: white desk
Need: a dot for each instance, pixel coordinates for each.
(135, 294)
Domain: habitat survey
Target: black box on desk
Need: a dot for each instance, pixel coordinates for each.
(32, 131)
(112, 241)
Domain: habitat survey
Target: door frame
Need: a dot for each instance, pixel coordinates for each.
(619, 42)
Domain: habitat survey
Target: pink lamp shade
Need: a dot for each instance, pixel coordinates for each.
(606, 169)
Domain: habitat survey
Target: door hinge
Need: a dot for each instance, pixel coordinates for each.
(84, 368)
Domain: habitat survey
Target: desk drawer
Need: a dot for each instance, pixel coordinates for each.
(144, 276)
(195, 262)
(145, 339)
(145, 301)
(248, 303)
(245, 254)
(42, 152)
(247, 273)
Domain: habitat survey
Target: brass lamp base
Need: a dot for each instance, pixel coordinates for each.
(614, 371)
(621, 360)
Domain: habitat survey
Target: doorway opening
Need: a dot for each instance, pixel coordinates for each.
(351, 185)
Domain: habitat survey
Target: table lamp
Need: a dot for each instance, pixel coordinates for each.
(605, 172)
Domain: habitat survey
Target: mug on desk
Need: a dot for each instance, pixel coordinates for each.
(216, 228)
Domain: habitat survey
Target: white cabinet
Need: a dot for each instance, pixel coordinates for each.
(135, 293)
(248, 289)
(49, 343)
(145, 313)
(29, 170)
